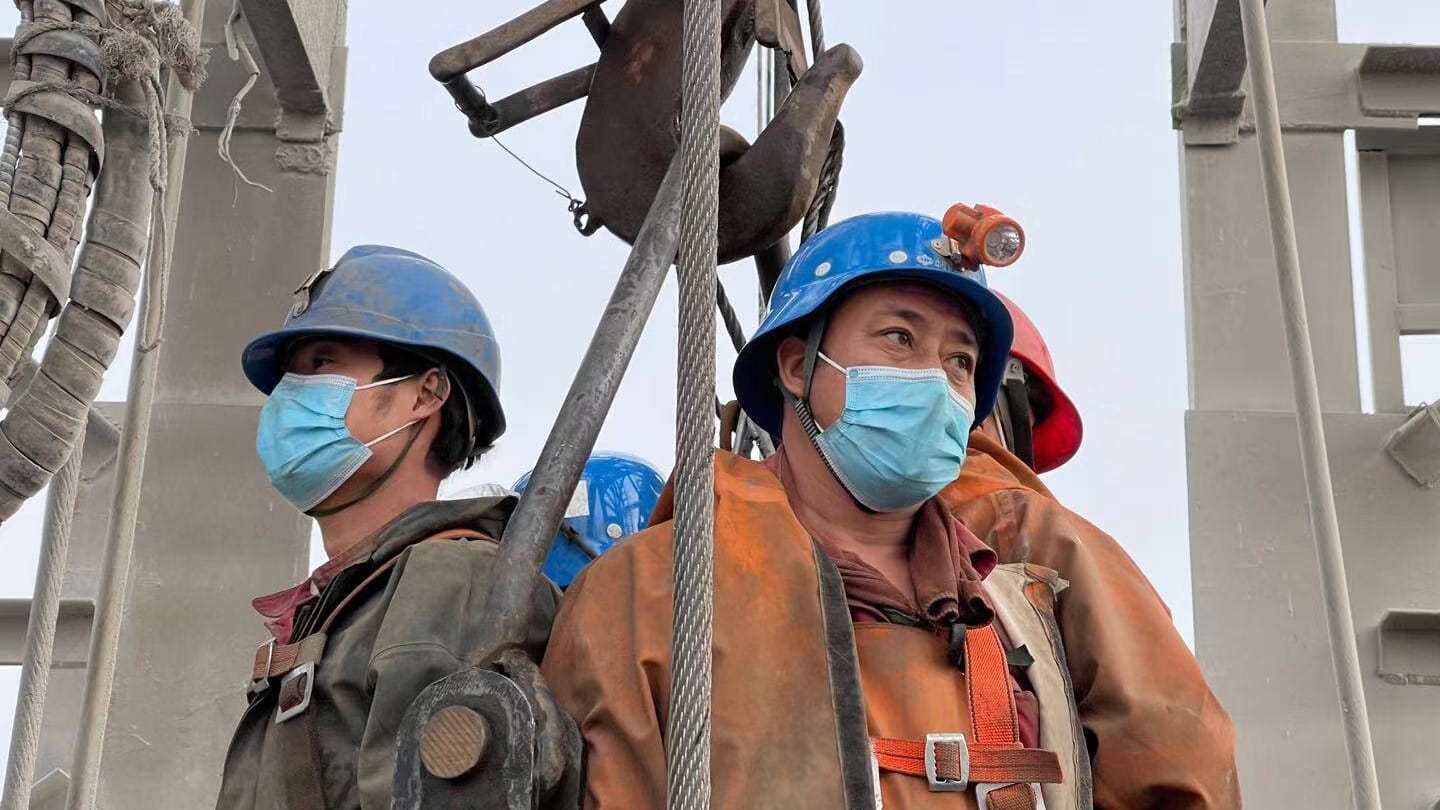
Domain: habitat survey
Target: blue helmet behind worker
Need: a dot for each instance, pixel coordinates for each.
(614, 499)
(393, 296)
(891, 246)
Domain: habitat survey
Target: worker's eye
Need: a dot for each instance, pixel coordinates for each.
(963, 362)
(899, 337)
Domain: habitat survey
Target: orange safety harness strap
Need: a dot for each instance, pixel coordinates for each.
(995, 762)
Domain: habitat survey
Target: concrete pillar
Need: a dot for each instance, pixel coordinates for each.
(212, 533)
(1259, 622)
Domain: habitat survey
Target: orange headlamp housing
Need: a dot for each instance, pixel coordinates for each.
(984, 236)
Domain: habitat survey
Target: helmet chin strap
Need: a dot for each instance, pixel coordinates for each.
(801, 404)
(1013, 412)
(374, 486)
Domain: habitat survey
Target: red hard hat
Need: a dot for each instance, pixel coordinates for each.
(1057, 436)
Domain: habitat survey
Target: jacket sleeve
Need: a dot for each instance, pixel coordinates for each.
(599, 673)
(1158, 737)
(434, 601)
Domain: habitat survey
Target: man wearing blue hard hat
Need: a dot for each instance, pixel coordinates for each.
(868, 647)
(614, 499)
(382, 381)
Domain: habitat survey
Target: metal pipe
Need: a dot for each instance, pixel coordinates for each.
(1313, 455)
(536, 518)
(40, 632)
(687, 730)
(497, 42)
(134, 439)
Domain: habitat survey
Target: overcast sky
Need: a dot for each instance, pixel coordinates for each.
(1075, 102)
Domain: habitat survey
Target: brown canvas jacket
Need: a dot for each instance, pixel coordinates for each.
(791, 722)
(1158, 736)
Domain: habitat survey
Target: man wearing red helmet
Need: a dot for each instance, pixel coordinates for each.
(1139, 692)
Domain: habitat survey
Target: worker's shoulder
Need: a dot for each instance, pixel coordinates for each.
(445, 557)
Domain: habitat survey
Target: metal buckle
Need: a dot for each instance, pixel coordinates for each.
(984, 789)
(1014, 370)
(947, 785)
(303, 295)
(306, 671)
(262, 683)
(875, 778)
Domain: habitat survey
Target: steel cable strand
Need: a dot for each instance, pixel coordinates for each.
(40, 635)
(687, 737)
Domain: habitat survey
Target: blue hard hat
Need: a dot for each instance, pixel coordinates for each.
(889, 246)
(616, 494)
(392, 296)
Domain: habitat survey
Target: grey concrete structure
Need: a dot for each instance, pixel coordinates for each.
(1260, 629)
(212, 534)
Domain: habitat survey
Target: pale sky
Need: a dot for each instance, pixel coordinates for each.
(1075, 101)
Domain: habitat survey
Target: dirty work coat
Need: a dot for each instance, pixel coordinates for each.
(1159, 738)
(794, 702)
(398, 637)
(789, 723)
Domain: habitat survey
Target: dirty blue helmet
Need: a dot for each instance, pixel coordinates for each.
(393, 296)
(614, 499)
(872, 247)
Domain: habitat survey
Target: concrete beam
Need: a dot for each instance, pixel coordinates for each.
(298, 42)
(1327, 87)
(72, 633)
(1400, 80)
(1215, 58)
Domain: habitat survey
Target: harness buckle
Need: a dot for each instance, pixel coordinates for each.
(262, 683)
(297, 704)
(937, 783)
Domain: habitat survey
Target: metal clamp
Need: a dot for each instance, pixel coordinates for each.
(306, 671)
(262, 683)
(937, 784)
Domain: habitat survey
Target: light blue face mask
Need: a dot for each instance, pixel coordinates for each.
(302, 439)
(901, 438)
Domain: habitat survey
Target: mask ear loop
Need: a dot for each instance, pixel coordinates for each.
(374, 486)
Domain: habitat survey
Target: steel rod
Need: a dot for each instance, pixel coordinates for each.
(542, 507)
(1313, 455)
(134, 440)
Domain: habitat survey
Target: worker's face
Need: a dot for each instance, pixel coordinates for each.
(902, 324)
(373, 412)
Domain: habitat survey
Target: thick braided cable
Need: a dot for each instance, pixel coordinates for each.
(728, 315)
(817, 216)
(687, 733)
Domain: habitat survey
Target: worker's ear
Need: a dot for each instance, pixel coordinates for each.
(434, 390)
(790, 365)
